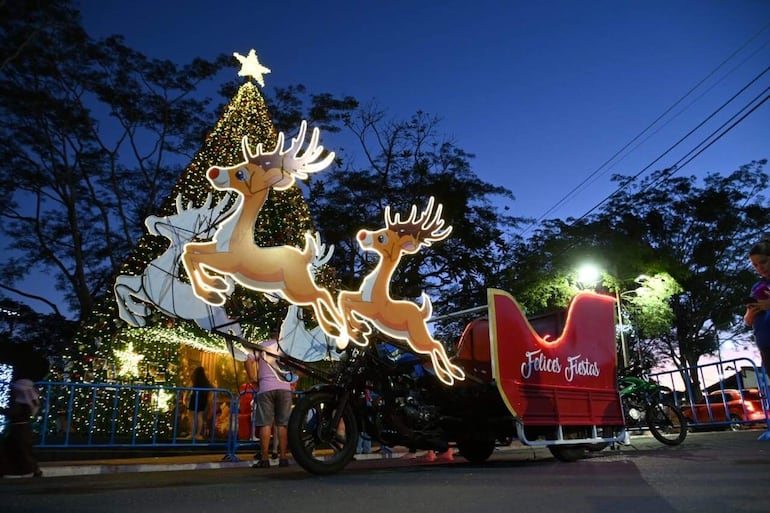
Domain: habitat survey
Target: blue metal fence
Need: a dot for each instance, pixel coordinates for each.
(101, 415)
(712, 408)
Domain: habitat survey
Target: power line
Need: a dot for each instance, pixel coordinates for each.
(676, 167)
(595, 174)
(679, 165)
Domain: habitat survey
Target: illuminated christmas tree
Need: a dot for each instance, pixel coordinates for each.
(154, 348)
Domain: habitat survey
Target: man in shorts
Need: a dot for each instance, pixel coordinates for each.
(273, 402)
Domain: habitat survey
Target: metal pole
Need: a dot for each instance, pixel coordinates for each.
(623, 346)
(459, 313)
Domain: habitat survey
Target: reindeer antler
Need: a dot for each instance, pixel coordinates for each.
(296, 166)
(201, 221)
(428, 228)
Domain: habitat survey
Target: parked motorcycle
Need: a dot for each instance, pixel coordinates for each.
(390, 395)
(549, 392)
(645, 407)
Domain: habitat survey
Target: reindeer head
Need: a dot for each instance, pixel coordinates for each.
(405, 237)
(278, 169)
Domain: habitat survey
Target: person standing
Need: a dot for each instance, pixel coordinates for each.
(16, 457)
(756, 314)
(199, 402)
(16, 447)
(273, 402)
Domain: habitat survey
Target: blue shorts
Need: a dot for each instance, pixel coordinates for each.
(273, 405)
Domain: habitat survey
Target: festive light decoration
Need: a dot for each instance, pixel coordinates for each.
(283, 221)
(163, 400)
(128, 360)
(6, 374)
(250, 67)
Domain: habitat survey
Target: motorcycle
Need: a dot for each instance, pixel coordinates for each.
(645, 407)
(389, 394)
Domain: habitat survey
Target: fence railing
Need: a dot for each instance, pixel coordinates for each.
(725, 403)
(100, 415)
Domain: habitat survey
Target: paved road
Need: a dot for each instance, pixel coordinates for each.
(721, 472)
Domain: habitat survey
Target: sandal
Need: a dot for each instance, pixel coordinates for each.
(261, 464)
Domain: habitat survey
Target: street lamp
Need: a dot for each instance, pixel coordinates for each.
(623, 345)
(588, 276)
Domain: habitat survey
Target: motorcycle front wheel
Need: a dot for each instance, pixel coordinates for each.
(667, 423)
(317, 443)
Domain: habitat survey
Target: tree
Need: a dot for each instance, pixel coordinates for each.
(701, 235)
(47, 335)
(92, 135)
(696, 235)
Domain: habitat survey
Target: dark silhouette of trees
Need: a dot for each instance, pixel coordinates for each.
(92, 136)
(698, 233)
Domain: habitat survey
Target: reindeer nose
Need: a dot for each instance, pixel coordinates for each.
(213, 173)
(361, 235)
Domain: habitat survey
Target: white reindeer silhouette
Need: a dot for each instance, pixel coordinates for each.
(159, 285)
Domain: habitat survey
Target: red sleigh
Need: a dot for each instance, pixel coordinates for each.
(561, 390)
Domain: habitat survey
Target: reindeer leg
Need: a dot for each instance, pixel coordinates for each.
(451, 371)
(211, 297)
(438, 366)
(129, 309)
(204, 286)
(448, 366)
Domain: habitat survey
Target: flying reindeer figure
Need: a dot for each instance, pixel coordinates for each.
(372, 305)
(159, 285)
(232, 251)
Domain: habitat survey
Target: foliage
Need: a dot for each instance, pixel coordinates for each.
(691, 239)
(700, 235)
(46, 335)
(91, 133)
(651, 313)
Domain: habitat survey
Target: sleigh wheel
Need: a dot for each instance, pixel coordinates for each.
(567, 453)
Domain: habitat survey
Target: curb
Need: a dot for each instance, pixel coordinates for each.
(51, 469)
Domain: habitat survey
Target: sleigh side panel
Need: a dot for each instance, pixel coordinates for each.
(569, 380)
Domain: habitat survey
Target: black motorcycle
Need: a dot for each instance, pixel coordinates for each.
(389, 394)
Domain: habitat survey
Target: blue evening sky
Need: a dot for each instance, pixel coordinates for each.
(552, 97)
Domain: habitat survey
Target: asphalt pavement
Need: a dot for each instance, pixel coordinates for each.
(752, 441)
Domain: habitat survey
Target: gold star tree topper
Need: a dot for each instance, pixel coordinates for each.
(250, 67)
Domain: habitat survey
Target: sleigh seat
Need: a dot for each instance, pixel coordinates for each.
(472, 352)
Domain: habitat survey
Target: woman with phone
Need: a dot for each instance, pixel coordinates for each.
(758, 303)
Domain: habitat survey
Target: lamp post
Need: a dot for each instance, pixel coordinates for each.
(623, 346)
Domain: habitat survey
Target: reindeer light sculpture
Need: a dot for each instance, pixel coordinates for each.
(232, 252)
(372, 305)
(159, 285)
